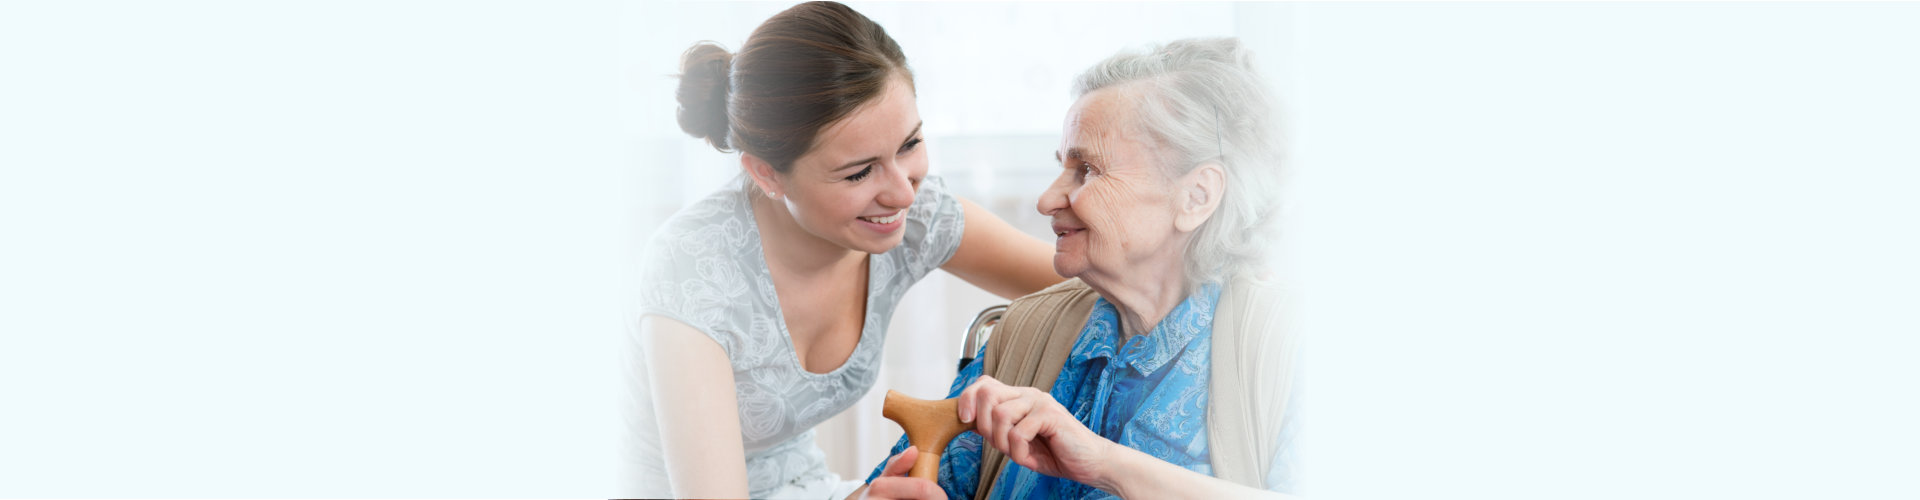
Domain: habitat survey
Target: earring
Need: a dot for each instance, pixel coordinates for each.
(772, 195)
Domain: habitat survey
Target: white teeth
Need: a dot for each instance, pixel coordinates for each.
(886, 220)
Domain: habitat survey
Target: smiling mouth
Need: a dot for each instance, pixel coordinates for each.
(1062, 233)
(885, 220)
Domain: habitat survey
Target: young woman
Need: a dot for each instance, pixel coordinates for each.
(764, 307)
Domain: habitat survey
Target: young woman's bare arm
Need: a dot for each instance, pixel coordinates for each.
(699, 418)
(1000, 259)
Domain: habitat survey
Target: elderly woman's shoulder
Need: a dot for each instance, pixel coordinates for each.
(1065, 304)
(1071, 287)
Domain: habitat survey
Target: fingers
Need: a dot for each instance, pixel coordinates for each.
(977, 401)
(997, 407)
(968, 404)
(893, 482)
(1020, 421)
(999, 421)
(1022, 437)
(900, 464)
(904, 487)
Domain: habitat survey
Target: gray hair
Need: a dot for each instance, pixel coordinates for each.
(1201, 99)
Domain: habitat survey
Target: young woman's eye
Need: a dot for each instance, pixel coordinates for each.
(910, 145)
(862, 174)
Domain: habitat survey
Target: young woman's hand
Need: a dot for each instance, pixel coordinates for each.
(1034, 430)
(893, 481)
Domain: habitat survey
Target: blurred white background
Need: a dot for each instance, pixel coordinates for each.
(1590, 250)
(375, 249)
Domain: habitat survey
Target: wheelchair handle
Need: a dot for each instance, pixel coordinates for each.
(978, 331)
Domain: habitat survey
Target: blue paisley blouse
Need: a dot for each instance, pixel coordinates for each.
(1149, 394)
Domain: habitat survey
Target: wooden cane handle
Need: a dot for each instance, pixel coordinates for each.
(929, 424)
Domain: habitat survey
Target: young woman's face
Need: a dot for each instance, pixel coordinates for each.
(853, 188)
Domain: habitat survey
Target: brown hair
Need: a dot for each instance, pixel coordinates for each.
(800, 71)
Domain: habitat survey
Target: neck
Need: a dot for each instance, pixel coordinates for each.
(1145, 297)
(789, 247)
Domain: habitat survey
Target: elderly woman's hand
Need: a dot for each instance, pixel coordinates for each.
(1034, 430)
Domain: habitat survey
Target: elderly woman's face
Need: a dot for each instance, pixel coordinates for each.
(1112, 205)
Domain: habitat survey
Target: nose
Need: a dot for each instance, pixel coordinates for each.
(898, 192)
(1056, 197)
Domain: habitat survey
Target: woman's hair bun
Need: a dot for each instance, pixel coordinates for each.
(703, 93)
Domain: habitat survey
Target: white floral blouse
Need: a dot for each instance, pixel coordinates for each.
(705, 268)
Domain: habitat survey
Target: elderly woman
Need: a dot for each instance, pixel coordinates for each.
(1156, 387)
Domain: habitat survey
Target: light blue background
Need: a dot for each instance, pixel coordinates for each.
(373, 249)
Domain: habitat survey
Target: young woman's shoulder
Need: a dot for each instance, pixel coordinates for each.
(692, 268)
(717, 223)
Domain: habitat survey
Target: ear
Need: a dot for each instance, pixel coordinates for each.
(762, 173)
(1199, 193)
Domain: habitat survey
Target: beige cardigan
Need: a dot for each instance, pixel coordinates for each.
(1251, 369)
